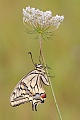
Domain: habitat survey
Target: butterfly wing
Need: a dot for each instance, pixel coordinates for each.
(29, 89)
(44, 78)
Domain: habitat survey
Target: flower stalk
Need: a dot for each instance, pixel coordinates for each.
(41, 52)
(44, 63)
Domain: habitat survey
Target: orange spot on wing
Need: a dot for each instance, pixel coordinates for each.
(43, 95)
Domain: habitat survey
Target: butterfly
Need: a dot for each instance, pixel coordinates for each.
(30, 88)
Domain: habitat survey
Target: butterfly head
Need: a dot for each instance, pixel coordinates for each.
(39, 66)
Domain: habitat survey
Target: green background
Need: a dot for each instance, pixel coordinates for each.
(62, 54)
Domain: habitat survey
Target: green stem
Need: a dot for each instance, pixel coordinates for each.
(41, 53)
(44, 63)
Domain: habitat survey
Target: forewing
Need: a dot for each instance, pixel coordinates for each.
(44, 78)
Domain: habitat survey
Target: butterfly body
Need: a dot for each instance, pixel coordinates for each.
(30, 88)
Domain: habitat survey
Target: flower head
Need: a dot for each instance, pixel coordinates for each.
(41, 21)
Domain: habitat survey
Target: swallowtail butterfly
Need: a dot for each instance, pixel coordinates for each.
(30, 88)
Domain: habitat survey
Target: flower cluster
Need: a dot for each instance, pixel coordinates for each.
(37, 18)
(41, 22)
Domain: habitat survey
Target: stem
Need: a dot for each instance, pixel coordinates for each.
(44, 63)
(41, 53)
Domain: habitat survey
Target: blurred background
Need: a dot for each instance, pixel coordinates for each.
(62, 54)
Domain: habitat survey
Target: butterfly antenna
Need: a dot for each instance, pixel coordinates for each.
(39, 60)
(31, 57)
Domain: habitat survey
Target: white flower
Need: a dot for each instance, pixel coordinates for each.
(40, 20)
